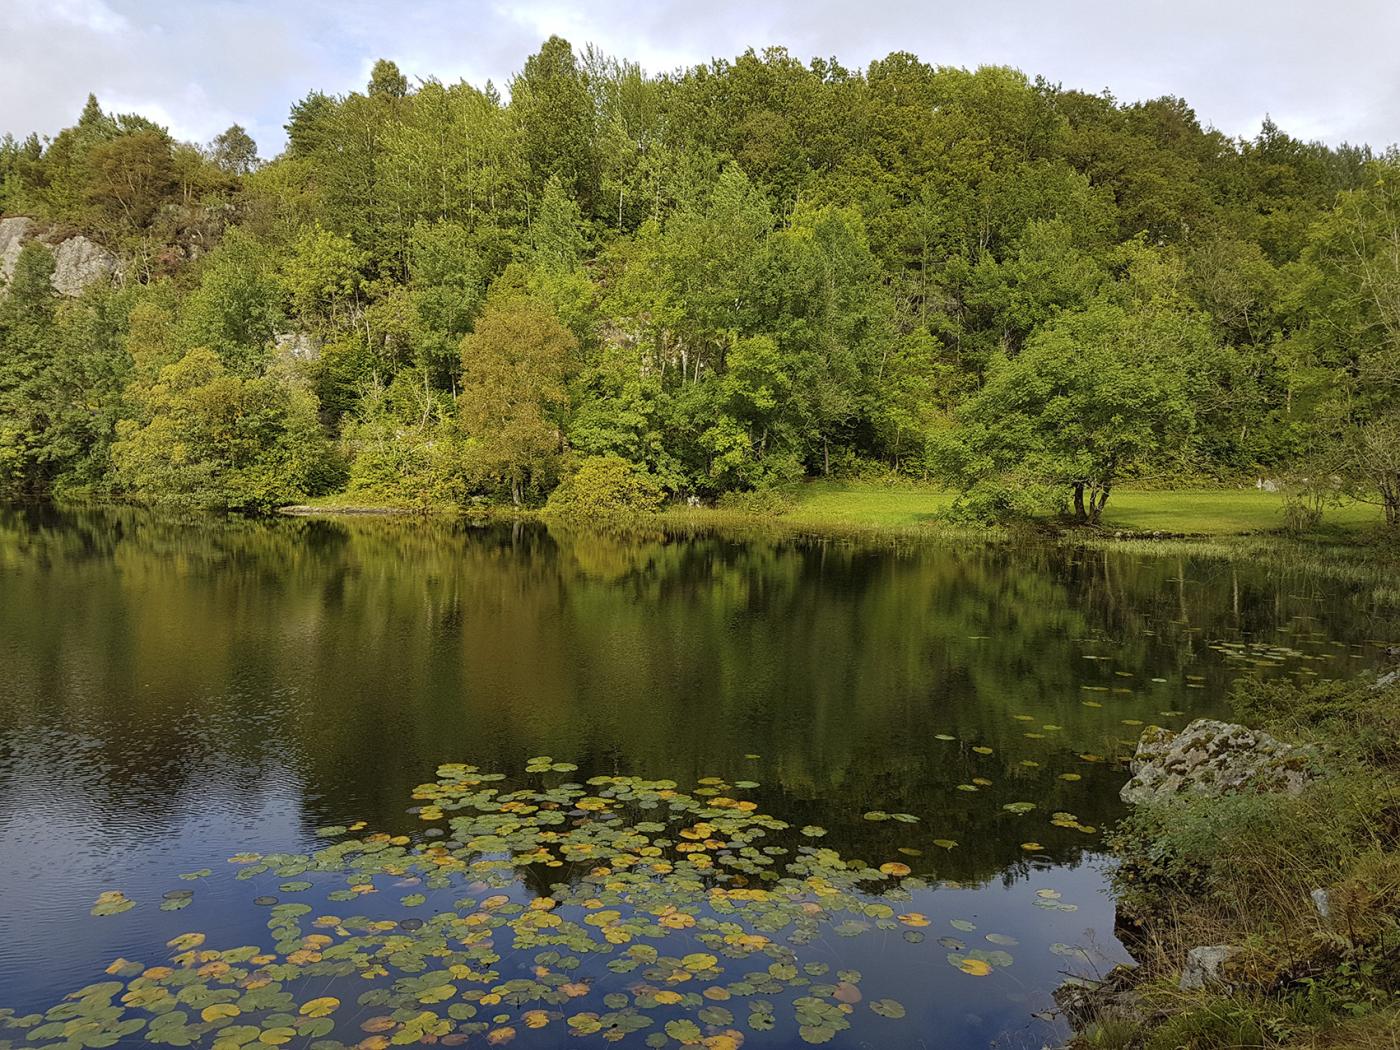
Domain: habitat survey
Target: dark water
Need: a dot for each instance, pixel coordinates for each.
(176, 692)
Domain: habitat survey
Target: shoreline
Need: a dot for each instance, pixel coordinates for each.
(1192, 517)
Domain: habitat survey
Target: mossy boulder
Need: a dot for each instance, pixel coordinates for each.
(1216, 758)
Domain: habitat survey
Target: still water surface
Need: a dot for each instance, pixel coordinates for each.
(173, 693)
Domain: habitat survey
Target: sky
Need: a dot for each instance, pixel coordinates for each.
(1326, 71)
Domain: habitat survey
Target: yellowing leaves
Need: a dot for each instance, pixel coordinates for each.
(219, 1012)
(323, 1006)
(974, 967)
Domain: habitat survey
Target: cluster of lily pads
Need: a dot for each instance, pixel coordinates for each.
(543, 908)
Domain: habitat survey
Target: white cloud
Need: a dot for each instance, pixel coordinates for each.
(202, 64)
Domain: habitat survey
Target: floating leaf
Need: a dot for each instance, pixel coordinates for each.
(888, 1008)
(683, 1031)
(112, 902)
(972, 967)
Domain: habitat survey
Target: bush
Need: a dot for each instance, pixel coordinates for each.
(763, 502)
(606, 491)
(1003, 499)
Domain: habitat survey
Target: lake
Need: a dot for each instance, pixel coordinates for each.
(492, 785)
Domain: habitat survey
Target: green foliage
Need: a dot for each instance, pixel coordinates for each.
(770, 271)
(605, 491)
(404, 448)
(514, 364)
(202, 436)
(238, 305)
(1094, 394)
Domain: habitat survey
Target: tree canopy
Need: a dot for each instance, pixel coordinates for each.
(732, 276)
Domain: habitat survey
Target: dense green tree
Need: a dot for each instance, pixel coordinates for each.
(202, 436)
(234, 150)
(556, 118)
(514, 366)
(1351, 344)
(1093, 395)
(27, 339)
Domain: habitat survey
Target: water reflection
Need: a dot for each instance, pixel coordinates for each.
(179, 690)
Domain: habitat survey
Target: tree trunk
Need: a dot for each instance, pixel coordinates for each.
(1096, 504)
(1079, 512)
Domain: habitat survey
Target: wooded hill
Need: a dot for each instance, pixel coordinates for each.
(722, 279)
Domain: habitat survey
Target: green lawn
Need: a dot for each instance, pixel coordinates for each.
(1212, 512)
(873, 506)
(868, 507)
(1221, 512)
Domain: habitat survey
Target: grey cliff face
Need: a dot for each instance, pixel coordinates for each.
(79, 262)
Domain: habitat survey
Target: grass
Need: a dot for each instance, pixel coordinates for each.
(1240, 870)
(1222, 512)
(910, 510)
(823, 505)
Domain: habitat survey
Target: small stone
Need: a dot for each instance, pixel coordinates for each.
(1203, 967)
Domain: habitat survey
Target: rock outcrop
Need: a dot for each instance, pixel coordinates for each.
(1216, 758)
(78, 261)
(13, 233)
(295, 347)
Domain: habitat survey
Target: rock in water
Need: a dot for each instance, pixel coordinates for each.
(1215, 758)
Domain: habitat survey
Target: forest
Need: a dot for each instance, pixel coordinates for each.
(600, 284)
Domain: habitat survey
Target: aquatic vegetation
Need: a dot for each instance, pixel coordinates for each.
(610, 908)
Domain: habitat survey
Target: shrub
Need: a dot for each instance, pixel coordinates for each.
(1005, 499)
(606, 491)
(765, 502)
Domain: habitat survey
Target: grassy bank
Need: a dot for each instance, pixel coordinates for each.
(862, 508)
(1246, 871)
(823, 505)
